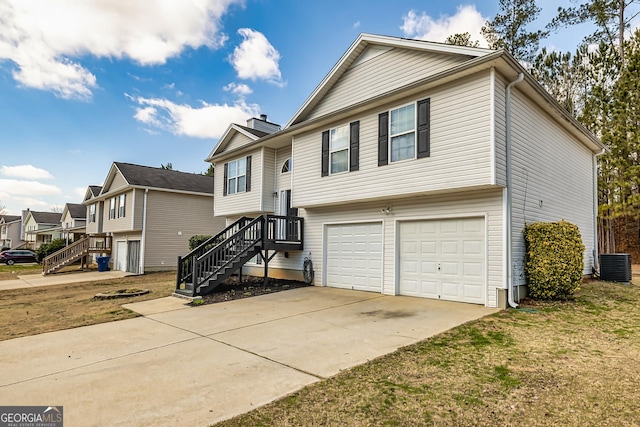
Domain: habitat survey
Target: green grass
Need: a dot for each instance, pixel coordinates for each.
(569, 363)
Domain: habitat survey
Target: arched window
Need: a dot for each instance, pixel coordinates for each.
(286, 166)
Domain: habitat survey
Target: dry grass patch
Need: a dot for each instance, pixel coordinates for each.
(31, 311)
(572, 363)
(10, 272)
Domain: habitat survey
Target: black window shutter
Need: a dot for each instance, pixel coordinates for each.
(354, 145)
(226, 175)
(325, 153)
(248, 176)
(383, 139)
(424, 125)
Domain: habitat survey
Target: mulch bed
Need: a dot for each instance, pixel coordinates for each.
(231, 289)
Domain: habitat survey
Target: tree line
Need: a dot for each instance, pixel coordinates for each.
(599, 84)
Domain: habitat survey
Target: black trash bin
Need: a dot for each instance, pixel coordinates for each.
(103, 263)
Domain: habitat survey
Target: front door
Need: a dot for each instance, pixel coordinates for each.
(121, 256)
(286, 230)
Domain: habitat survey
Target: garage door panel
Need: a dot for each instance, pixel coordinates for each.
(354, 256)
(449, 259)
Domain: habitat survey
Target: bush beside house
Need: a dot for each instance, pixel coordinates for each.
(554, 261)
(49, 248)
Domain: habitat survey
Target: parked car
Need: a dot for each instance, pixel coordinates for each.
(14, 256)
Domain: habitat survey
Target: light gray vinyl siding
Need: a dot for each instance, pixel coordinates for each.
(137, 201)
(283, 179)
(172, 219)
(92, 227)
(239, 203)
(486, 203)
(391, 70)
(499, 118)
(552, 177)
(268, 179)
(237, 140)
(118, 224)
(461, 152)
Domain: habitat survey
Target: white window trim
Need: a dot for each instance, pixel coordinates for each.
(347, 148)
(112, 208)
(289, 164)
(229, 177)
(414, 131)
(122, 207)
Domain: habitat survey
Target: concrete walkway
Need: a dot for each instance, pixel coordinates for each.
(193, 366)
(34, 280)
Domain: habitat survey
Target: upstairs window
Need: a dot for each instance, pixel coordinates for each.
(112, 208)
(92, 213)
(341, 149)
(404, 133)
(237, 176)
(122, 205)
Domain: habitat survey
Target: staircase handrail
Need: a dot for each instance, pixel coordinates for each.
(208, 264)
(185, 263)
(79, 247)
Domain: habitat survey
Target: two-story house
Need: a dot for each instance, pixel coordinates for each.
(149, 215)
(415, 166)
(73, 221)
(10, 226)
(40, 228)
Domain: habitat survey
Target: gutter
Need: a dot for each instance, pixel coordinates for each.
(596, 263)
(507, 132)
(144, 231)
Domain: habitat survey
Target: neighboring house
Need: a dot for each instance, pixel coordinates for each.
(150, 214)
(416, 166)
(41, 227)
(73, 222)
(10, 226)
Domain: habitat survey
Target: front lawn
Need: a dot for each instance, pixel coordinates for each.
(574, 363)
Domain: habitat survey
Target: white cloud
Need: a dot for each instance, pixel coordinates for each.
(46, 39)
(80, 192)
(239, 89)
(423, 26)
(25, 171)
(207, 121)
(255, 58)
(33, 188)
(356, 24)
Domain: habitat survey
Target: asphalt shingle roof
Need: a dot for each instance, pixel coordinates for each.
(95, 190)
(10, 218)
(146, 176)
(77, 210)
(47, 217)
(256, 132)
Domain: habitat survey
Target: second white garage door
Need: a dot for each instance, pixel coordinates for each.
(443, 259)
(354, 256)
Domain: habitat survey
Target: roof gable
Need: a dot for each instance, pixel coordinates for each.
(74, 210)
(92, 192)
(367, 50)
(5, 219)
(234, 137)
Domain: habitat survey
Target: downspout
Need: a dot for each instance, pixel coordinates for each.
(596, 264)
(144, 230)
(507, 133)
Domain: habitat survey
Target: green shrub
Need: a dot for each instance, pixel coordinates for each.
(555, 259)
(48, 248)
(197, 240)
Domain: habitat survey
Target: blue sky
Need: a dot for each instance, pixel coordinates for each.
(84, 83)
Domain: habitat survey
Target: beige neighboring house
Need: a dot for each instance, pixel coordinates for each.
(150, 215)
(415, 167)
(41, 227)
(10, 226)
(73, 222)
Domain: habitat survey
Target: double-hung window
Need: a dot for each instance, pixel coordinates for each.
(237, 176)
(92, 213)
(122, 205)
(341, 149)
(112, 208)
(404, 133)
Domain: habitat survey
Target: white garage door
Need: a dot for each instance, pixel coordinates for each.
(443, 259)
(354, 256)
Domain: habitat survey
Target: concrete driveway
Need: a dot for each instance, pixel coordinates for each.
(193, 366)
